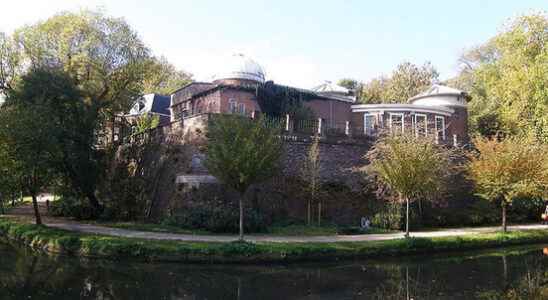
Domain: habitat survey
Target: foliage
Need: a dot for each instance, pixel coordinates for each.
(30, 131)
(506, 78)
(146, 122)
(278, 100)
(390, 217)
(99, 66)
(410, 166)
(219, 217)
(242, 152)
(405, 82)
(72, 206)
(161, 77)
(348, 83)
(506, 169)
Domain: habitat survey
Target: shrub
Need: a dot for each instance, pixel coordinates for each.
(73, 207)
(390, 217)
(217, 217)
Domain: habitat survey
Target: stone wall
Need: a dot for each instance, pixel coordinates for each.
(339, 162)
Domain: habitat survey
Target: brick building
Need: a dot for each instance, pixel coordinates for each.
(234, 90)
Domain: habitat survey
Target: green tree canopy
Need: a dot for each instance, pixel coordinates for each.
(405, 82)
(507, 79)
(242, 152)
(410, 167)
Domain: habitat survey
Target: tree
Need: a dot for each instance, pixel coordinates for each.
(28, 134)
(146, 122)
(506, 169)
(242, 152)
(405, 82)
(162, 77)
(110, 67)
(311, 175)
(410, 167)
(409, 80)
(348, 83)
(506, 78)
(373, 92)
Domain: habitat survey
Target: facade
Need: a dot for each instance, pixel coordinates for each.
(234, 91)
(440, 112)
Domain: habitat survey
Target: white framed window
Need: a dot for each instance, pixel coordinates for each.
(396, 123)
(421, 125)
(232, 106)
(241, 108)
(440, 127)
(368, 124)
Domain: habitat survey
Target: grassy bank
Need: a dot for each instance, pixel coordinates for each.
(59, 241)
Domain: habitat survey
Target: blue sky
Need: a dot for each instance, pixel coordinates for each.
(300, 43)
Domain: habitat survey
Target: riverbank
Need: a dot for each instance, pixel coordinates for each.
(58, 241)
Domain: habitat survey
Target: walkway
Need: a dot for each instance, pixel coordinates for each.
(25, 211)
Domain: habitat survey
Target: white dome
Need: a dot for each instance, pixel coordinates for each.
(238, 66)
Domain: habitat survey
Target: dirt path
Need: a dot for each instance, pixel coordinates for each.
(25, 211)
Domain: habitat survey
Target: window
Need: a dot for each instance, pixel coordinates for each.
(396, 123)
(421, 125)
(440, 127)
(368, 124)
(241, 108)
(232, 106)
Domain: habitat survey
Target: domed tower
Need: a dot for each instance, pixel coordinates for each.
(457, 100)
(240, 70)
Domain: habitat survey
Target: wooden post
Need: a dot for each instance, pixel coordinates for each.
(319, 126)
(252, 114)
(455, 143)
(437, 138)
(287, 122)
(347, 128)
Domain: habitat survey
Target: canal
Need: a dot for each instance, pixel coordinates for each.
(511, 273)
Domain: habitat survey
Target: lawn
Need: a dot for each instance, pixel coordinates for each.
(50, 240)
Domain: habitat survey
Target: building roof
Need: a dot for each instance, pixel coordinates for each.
(330, 87)
(239, 66)
(151, 103)
(190, 90)
(439, 90)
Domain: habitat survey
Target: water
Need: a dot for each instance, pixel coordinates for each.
(512, 273)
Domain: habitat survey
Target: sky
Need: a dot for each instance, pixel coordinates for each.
(299, 43)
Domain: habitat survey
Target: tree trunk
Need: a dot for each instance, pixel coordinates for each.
(1, 205)
(308, 212)
(36, 211)
(504, 227)
(241, 218)
(94, 203)
(407, 217)
(319, 212)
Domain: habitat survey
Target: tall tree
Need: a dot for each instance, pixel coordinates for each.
(506, 78)
(242, 152)
(410, 167)
(161, 77)
(29, 134)
(506, 169)
(405, 82)
(107, 62)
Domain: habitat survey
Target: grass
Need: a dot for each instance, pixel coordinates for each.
(50, 240)
(286, 230)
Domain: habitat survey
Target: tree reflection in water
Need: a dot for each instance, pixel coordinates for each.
(511, 274)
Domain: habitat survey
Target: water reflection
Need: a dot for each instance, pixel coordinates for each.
(511, 274)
